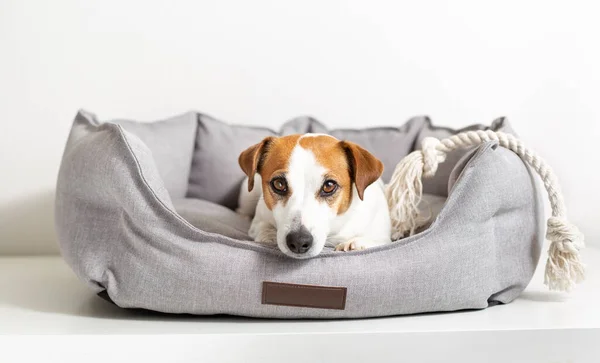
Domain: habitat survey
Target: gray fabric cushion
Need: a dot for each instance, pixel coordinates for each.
(120, 231)
(302, 125)
(171, 142)
(213, 218)
(389, 144)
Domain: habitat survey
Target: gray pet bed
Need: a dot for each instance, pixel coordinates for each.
(144, 214)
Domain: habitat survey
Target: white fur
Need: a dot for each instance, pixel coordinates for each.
(365, 224)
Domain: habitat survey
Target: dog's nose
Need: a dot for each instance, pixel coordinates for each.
(299, 241)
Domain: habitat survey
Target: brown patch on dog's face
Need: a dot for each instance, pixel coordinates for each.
(271, 159)
(331, 156)
(275, 166)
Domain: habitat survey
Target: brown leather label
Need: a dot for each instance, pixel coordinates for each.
(308, 296)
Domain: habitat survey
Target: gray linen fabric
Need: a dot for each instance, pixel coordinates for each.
(213, 218)
(389, 144)
(119, 230)
(171, 142)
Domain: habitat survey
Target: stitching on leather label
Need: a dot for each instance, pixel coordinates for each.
(308, 296)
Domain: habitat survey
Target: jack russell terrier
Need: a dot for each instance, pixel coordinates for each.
(314, 190)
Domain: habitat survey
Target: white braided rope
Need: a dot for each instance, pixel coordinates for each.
(404, 192)
(472, 138)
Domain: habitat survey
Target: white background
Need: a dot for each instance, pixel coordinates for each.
(348, 63)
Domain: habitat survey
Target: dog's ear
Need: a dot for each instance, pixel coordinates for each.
(249, 159)
(365, 168)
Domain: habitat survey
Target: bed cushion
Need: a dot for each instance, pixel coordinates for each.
(389, 144)
(171, 142)
(212, 217)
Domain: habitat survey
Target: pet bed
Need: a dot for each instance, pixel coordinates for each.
(145, 215)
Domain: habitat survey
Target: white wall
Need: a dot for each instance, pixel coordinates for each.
(351, 63)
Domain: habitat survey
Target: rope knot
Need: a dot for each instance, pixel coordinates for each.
(566, 235)
(432, 156)
(563, 268)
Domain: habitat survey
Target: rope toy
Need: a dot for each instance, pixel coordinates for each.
(404, 192)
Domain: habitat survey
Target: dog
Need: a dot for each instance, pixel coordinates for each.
(308, 191)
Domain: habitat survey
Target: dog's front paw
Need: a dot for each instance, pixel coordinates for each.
(263, 232)
(266, 234)
(353, 244)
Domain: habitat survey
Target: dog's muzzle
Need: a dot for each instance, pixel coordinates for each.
(299, 241)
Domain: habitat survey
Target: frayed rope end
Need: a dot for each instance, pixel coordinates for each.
(564, 268)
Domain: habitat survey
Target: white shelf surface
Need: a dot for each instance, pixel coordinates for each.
(41, 295)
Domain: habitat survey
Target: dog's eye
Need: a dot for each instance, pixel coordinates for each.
(329, 187)
(279, 185)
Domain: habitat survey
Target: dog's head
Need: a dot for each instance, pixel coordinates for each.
(308, 181)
